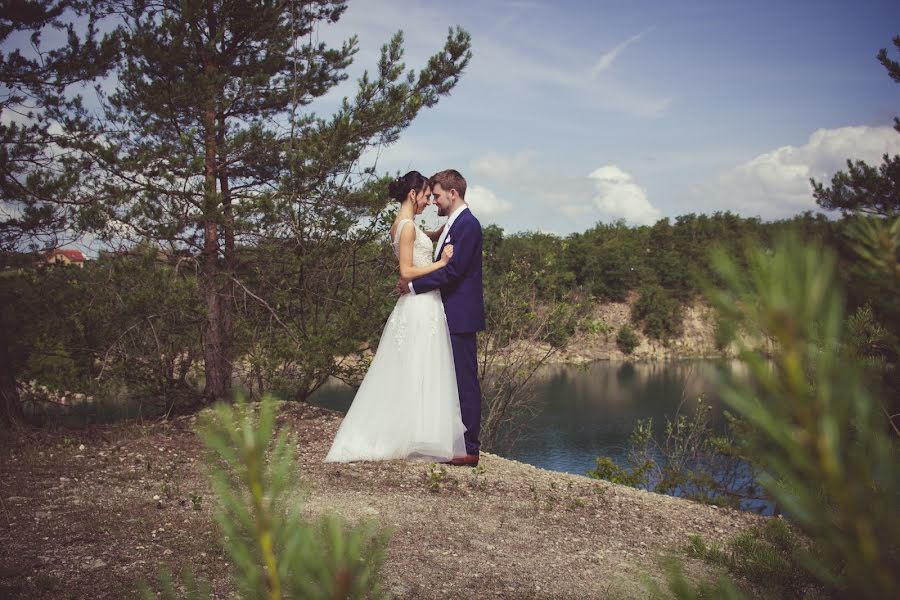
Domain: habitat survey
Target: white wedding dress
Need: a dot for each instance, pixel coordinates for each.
(407, 405)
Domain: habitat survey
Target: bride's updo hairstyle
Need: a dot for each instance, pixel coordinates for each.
(399, 188)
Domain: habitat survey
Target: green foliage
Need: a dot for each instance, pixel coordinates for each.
(50, 364)
(627, 339)
(608, 470)
(689, 460)
(770, 559)
(874, 244)
(277, 553)
(435, 477)
(607, 261)
(817, 429)
(296, 326)
(680, 587)
(540, 255)
(38, 183)
(126, 323)
(659, 315)
(863, 188)
(207, 144)
(522, 335)
(870, 342)
(599, 327)
(724, 334)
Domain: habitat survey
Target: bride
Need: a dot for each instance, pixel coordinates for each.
(408, 405)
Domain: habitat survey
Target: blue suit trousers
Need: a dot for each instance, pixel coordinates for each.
(465, 347)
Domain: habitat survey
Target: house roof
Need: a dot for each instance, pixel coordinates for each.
(73, 255)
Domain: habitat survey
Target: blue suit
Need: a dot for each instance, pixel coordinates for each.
(462, 291)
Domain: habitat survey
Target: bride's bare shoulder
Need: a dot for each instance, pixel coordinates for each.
(399, 223)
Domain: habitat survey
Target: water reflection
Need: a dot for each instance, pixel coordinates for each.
(586, 412)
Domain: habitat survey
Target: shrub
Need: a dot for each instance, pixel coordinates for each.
(657, 312)
(627, 339)
(769, 557)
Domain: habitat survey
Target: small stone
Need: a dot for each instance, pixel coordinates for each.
(97, 564)
(81, 448)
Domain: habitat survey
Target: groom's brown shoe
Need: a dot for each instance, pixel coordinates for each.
(466, 460)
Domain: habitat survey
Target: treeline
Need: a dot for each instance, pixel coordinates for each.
(129, 326)
(132, 323)
(665, 265)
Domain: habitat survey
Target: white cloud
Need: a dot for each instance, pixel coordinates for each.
(485, 203)
(504, 166)
(776, 184)
(607, 59)
(506, 60)
(617, 196)
(557, 69)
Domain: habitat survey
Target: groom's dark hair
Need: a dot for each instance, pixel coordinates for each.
(450, 179)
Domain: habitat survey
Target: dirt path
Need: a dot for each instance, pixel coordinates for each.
(87, 514)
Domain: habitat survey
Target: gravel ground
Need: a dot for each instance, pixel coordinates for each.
(90, 513)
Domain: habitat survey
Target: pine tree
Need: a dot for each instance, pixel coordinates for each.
(38, 180)
(207, 142)
(864, 188)
(276, 552)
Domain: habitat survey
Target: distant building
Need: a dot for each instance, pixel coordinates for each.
(59, 256)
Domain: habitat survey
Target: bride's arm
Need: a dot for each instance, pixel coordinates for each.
(407, 270)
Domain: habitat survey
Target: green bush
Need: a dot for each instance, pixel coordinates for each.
(657, 312)
(627, 339)
(769, 557)
(690, 460)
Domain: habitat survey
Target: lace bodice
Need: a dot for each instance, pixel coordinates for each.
(422, 247)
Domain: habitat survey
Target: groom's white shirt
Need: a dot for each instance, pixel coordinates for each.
(446, 231)
(444, 235)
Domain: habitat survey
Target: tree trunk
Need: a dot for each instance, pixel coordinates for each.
(11, 414)
(217, 329)
(216, 349)
(217, 378)
(226, 297)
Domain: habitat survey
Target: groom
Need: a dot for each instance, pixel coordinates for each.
(462, 292)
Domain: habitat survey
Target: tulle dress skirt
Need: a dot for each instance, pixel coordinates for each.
(408, 404)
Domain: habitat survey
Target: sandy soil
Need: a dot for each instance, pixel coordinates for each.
(89, 513)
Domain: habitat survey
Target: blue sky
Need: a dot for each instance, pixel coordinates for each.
(572, 112)
(576, 112)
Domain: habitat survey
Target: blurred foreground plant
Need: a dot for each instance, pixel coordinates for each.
(276, 553)
(815, 429)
